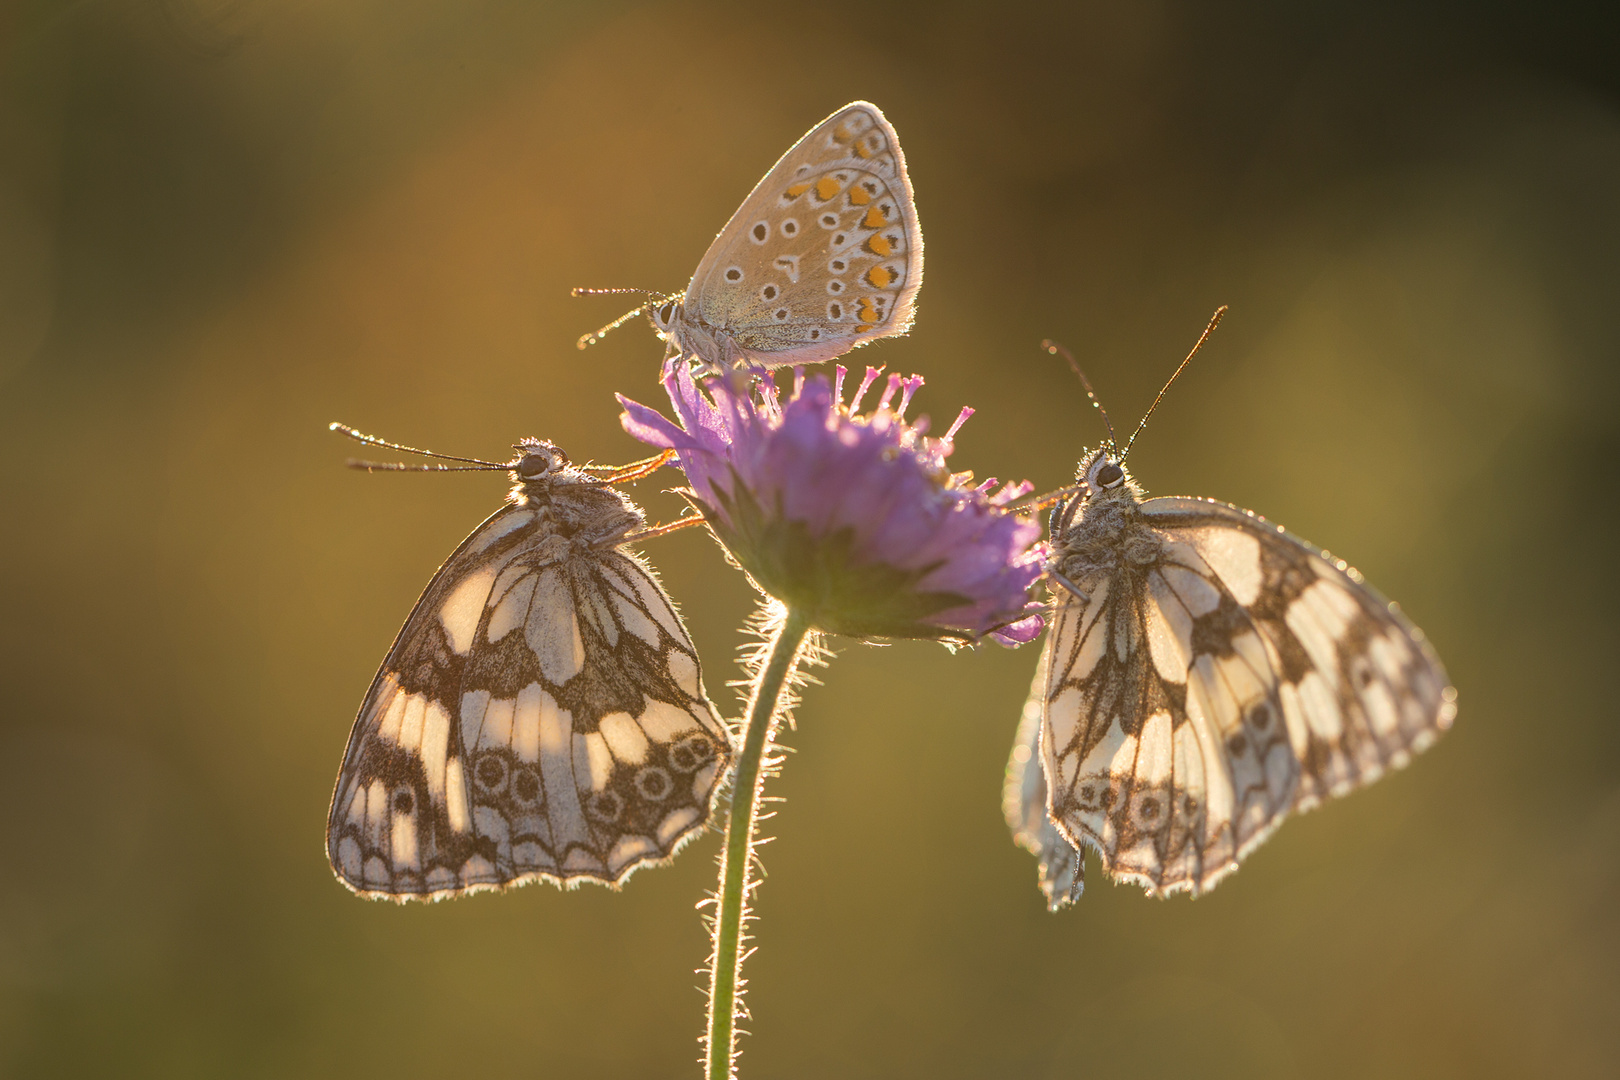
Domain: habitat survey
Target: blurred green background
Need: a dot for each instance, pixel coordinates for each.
(225, 223)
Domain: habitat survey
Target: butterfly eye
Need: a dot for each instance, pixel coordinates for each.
(1110, 475)
(533, 465)
(666, 313)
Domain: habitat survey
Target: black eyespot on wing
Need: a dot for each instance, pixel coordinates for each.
(691, 753)
(605, 806)
(653, 783)
(526, 786)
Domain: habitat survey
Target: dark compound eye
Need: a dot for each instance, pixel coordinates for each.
(1110, 475)
(533, 465)
(666, 313)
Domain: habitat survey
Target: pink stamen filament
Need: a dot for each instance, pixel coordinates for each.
(960, 420)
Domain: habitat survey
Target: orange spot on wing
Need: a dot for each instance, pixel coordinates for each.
(862, 149)
(826, 188)
(879, 277)
(859, 196)
(879, 245)
(869, 312)
(862, 328)
(874, 219)
(798, 189)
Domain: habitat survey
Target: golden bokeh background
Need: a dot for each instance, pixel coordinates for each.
(224, 223)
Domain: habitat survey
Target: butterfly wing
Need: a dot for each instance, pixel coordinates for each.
(541, 716)
(1173, 765)
(1361, 688)
(825, 253)
(1024, 804)
(1244, 674)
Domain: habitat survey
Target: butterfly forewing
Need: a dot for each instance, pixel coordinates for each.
(1218, 673)
(540, 717)
(824, 254)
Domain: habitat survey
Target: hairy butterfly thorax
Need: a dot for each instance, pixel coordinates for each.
(1102, 529)
(578, 506)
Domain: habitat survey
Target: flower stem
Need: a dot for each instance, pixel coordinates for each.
(736, 860)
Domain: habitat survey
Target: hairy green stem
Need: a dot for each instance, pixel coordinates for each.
(736, 860)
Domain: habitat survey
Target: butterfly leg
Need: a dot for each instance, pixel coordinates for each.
(637, 469)
(660, 530)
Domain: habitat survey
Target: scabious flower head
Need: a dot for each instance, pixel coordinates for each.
(851, 519)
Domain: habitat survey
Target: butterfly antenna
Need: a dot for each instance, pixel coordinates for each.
(1214, 321)
(400, 466)
(1058, 350)
(473, 464)
(653, 298)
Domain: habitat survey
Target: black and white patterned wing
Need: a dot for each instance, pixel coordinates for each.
(1024, 804)
(1241, 674)
(540, 717)
(1361, 689)
(1163, 743)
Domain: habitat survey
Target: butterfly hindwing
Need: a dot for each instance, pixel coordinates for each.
(1024, 803)
(540, 717)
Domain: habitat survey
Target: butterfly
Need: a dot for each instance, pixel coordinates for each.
(823, 256)
(1205, 674)
(541, 715)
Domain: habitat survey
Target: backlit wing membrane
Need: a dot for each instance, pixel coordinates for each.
(540, 717)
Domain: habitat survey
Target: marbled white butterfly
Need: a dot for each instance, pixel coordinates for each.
(541, 715)
(1205, 674)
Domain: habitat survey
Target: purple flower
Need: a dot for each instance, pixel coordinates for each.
(852, 519)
